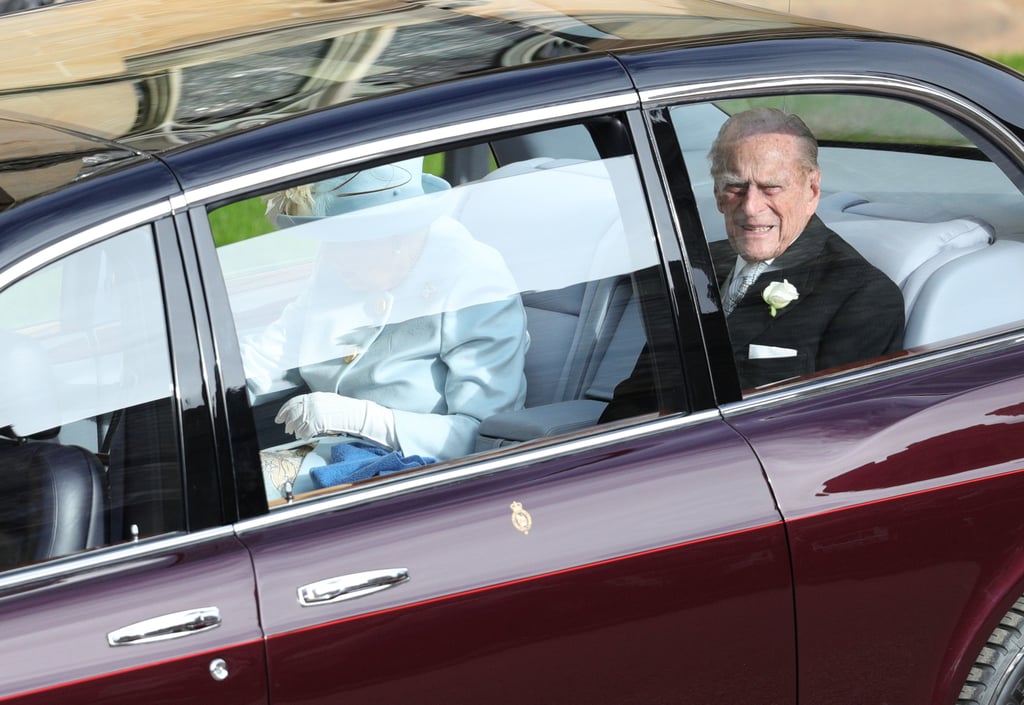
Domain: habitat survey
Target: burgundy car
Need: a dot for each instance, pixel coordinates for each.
(490, 227)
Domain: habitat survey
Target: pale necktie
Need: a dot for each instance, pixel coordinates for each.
(750, 274)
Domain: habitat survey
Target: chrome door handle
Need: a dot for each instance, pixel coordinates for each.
(346, 587)
(168, 626)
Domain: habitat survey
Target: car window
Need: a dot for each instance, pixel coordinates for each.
(910, 212)
(422, 310)
(86, 418)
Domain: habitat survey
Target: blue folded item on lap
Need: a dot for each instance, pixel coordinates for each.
(352, 462)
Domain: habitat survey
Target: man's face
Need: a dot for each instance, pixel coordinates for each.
(766, 195)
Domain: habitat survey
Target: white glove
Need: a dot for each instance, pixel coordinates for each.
(320, 413)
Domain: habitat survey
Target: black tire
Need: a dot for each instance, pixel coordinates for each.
(997, 677)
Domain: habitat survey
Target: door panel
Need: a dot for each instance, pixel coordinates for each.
(644, 564)
(905, 535)
(60, 628)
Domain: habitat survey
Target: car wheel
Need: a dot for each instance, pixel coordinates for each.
(997, 677)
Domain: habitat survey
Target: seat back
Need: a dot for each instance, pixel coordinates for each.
(982, 290)
(618, 347)
(558, 225)
(556, 321)
(52, 503)
(907, 244)
(584, 339)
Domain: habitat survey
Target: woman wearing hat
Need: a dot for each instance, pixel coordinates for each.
(410, 332)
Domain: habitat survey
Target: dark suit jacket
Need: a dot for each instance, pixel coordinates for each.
(847, 310)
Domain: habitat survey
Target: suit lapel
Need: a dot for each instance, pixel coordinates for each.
(798, 265)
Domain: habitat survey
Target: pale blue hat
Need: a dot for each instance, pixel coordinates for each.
(374, 189)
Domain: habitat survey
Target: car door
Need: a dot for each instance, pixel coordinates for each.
(117, 584)
(896, 473)
(904, 542)
(637, 571)
(571, 554)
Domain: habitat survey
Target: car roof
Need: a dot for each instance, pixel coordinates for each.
(156, 75)
(116, 79)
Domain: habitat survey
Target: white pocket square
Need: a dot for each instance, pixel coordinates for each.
(763, 352)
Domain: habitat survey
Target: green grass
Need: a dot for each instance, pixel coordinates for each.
(1014, 61)
(239, 221)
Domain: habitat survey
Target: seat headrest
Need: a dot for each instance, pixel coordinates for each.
(845, 205)
(899, 247)
(30, 402)
(981, 290)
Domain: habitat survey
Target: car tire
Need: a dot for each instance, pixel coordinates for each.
(997, 676)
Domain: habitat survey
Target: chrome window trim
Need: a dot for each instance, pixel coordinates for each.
(398, 143)
(882, 370)
(106, 556)
(471, 469)
(178, 203)
(84, 238)
(892, 85)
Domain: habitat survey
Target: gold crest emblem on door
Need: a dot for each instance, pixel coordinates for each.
(521, 518)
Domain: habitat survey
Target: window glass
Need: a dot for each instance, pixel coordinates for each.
(861, 119)
(86, 420)
(397, 318)
(898, 233)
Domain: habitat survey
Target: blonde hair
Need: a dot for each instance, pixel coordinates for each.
(297, 200)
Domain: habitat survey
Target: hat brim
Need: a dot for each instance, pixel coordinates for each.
(376, 222)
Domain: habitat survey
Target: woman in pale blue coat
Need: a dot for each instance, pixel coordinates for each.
(411, 331)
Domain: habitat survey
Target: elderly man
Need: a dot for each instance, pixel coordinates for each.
(797, 297)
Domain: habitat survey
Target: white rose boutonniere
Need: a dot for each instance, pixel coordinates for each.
(779, 295)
